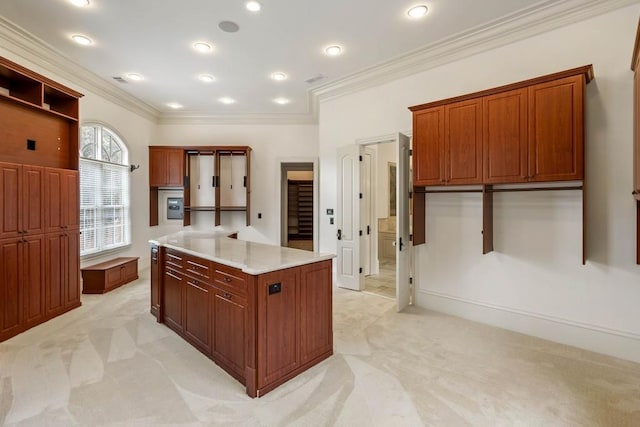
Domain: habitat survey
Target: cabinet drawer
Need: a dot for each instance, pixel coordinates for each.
(230, 279)
(198, 268)
(174, 259)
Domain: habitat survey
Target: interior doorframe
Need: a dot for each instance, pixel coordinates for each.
(286, 164)
(374, 242)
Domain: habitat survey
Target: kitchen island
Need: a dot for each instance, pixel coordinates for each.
(263, 313)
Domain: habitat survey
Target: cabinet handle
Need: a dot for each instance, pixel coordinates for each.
(634, 192)
(227, 279)
(227, 295)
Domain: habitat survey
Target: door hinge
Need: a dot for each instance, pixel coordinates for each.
(410, 151)
(360, 158)
(361, 195)
(411, 237)
(368, 229)
(360, 270)
(244, 181)
(361, 232)
(411, 280)
(410, 195)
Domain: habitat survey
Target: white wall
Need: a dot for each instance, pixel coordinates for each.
(270, 145)
(534, 281)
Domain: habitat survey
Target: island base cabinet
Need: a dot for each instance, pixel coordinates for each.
(197, 314)
(229, 313)
(172, 298)
(262, 329)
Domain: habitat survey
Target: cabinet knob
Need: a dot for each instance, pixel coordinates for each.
(227, 279)
(227, 295)
(634, 192)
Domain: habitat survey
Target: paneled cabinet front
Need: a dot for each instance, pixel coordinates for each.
(229, 314)
(166, 167)
(61, 200)
(448, 144)
(22, 203)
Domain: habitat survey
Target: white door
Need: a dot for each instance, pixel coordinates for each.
(366, 224)
(348, 218)
(403, 246)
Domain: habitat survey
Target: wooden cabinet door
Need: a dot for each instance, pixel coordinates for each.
(316, 328)
(157, 167)
(11, 302)
(174, 171)
(71, 264)
(173, 300)
(556, 130)
(463, 142)
(33, 279)
(166, 167)
(70, 199)
(197, 313)
(278, 325)
(229, 313)
(428, 147)
(53, 195)
(54, 247)
(505, 136)
(10, 200)
(33, 199)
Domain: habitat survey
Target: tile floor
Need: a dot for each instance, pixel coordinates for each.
(383, 283)
(109, 363)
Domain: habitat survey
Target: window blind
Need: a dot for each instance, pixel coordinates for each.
(104, 206)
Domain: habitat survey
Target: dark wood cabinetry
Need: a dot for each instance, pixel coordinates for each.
(109, 275)
(166, 167)
(505, 137)
(39, 207)
(263, 329)
(526, 132)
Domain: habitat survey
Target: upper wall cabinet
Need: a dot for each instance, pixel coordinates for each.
(166, 167)
(530, 131)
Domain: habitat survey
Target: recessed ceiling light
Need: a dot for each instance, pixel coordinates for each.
(202, 47)
(418, 11)
(227, 100)
(80, 39)
(279, 76)
(281, 101)
(174, 105)
(206, 78)
(333, 50)
(80, 3)
(253, 6)
(135, 77)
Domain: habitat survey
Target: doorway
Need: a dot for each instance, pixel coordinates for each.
(298, 205)
(378, 185)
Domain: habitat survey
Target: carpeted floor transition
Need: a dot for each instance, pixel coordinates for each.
(110, 364)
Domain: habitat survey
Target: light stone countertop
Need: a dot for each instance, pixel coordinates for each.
(250, 257)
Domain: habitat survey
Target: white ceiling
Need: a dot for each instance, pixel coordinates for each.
(154, 37)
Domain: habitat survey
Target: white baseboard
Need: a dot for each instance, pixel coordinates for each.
(616, 343)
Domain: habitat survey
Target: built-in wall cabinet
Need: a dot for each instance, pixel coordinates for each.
(39, 207)
(531, 132)
(213, 178)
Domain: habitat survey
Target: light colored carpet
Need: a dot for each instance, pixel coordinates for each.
(110, 364)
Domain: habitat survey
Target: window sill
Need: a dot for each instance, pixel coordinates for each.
(104, 253)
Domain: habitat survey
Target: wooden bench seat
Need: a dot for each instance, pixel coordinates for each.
(108, 275)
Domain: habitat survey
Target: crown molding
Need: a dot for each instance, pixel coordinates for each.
(539, 18)
(29, 47)
(204, 118)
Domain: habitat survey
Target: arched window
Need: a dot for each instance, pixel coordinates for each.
(104, 190)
